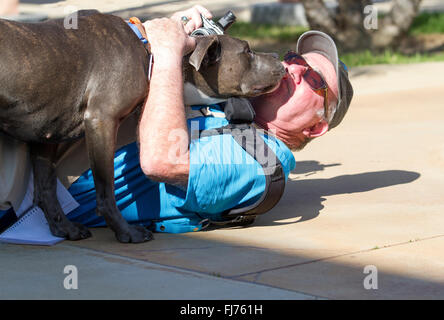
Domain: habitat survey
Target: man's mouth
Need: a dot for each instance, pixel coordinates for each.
(290, 83)
(287, 84)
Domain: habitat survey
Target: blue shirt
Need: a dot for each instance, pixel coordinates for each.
(222, 176)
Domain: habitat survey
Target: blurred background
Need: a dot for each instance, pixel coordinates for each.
(367, 32)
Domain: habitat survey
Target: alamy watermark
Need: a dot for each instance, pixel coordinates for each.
(71, 20)
(71, 281)
(371, 17)
(371, 281)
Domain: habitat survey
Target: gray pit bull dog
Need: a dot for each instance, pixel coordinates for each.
(60, 84)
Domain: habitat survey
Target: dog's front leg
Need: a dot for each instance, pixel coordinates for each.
(45, 194)
(100, 131)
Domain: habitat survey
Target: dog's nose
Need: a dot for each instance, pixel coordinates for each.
(281, 71)
(273, 54)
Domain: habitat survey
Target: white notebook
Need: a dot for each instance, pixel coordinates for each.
(32, 227)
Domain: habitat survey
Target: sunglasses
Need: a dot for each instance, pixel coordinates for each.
(313, 78)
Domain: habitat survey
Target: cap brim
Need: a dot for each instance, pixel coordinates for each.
(320, 42)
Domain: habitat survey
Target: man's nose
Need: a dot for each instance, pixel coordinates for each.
(296, 70)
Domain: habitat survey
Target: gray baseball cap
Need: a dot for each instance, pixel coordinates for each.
(320, 42)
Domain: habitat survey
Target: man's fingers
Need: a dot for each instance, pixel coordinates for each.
(192, 25)
(204, 11)
(194, 20)
(194, 17)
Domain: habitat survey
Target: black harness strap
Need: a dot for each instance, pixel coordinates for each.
(250, 140)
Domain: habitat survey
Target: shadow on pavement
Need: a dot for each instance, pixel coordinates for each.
(305, 196)
(311, 167)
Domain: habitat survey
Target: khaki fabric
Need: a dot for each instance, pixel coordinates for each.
(15, 167)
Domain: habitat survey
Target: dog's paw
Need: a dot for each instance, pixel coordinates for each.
(82, 232)
(135, 234)
(70, 231)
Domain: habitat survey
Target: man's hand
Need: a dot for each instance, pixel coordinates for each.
(168, 39)
(193, 15)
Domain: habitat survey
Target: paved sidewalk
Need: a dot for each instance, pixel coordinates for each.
(39, 273)
(144, 9)
(370, 193)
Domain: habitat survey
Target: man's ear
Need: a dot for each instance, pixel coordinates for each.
(316, 130)
(207, 51)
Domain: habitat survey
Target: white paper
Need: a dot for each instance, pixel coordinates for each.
(32, 227)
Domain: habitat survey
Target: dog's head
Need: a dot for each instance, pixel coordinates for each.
(224, 67)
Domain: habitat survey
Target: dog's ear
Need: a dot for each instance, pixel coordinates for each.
(207, 51)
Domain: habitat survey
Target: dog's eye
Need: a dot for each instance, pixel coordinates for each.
(249, 52)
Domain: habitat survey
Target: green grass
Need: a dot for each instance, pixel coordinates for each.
(426, 23)
(388, 57)
(245, 30)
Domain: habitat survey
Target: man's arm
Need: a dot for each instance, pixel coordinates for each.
(163, 115)
(163, 133)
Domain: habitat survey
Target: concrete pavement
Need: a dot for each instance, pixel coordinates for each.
(370, 193)
(144, 9)
(39, 273)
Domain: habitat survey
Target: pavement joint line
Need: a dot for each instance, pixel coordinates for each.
(191, 272)
(136, 259)
(200, 248)
(258, 273)
(204, 248)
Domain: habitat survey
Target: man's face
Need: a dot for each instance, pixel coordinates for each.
(294, 106)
